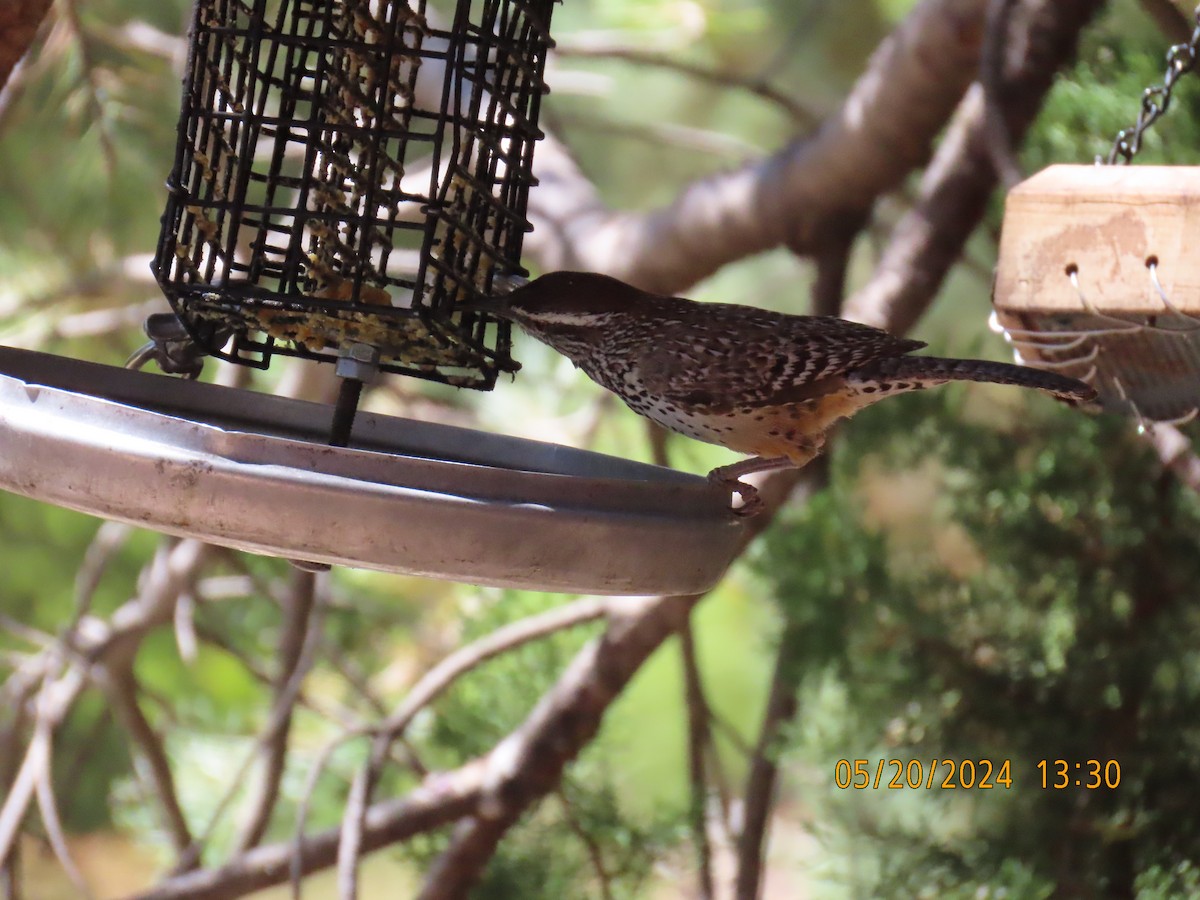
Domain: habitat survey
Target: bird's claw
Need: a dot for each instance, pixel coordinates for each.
(752, 504)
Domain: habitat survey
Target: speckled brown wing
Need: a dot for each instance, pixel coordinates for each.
(777, 359)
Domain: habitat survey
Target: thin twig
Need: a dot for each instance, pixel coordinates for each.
(273, 744)
(281, 709)
(429, 688)
(593, 849)
(472, 845)
(28, 633)
(343, 715)
(665, 135)
(75, 768)
(16, 804)
(184, 621)
(315, 771)
(55, 698)
(48, 807)
(699, 739)
(87, 66)
(147, 744)
(658, 438)
(10, 870)
(761, 783)
(508, 637)
(353, 824)
(109, 538)
(795, 110)
(731, 734)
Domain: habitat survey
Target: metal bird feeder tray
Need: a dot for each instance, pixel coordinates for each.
(1098, 279)
(348, 178)
(347, 174)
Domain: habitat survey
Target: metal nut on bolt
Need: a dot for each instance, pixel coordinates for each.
(358, 361)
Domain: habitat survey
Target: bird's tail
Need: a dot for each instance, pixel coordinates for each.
(914, 372)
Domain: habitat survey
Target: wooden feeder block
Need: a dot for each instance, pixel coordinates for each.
(1094, 281)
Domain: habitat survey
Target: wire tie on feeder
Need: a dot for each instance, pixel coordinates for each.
(1124, 327)
(1044, 341)
(1181, 420)
(1022, 340)
(1152, 266)
(1088, 357)
(1143, 424)
(1023, 336)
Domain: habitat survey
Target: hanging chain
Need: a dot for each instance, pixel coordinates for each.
(1181, 59)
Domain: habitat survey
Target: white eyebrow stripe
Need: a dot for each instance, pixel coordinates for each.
(563, 318)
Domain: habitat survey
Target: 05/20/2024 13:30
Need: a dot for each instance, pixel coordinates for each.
(967, 774)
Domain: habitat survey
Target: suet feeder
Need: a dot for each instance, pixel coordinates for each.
(1097, 280)
(348, 174)
(350, 180)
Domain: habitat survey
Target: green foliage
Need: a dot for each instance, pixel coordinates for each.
(1120, 56)
(1040, 607)
(585, 823)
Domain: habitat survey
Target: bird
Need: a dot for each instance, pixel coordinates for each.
(762, 383)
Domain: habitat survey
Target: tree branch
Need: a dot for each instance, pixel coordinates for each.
(442, 798)
(762, 781)
(1170, 20)
(19, 23)
(884, 130)
(273, 744)
(955, 189)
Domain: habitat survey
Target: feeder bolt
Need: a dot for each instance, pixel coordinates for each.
(358, 361)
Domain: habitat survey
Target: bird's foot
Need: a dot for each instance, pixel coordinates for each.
(752, 504)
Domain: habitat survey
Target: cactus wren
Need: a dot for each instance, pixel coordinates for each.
(762, 383)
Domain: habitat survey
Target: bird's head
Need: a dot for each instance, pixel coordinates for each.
(567, 309)
(568, 299)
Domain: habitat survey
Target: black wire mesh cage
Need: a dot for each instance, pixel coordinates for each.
(347, 174)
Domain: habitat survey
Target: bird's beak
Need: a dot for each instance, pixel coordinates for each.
(497, 303)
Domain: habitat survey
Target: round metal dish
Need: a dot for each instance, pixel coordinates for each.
(251, 471)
